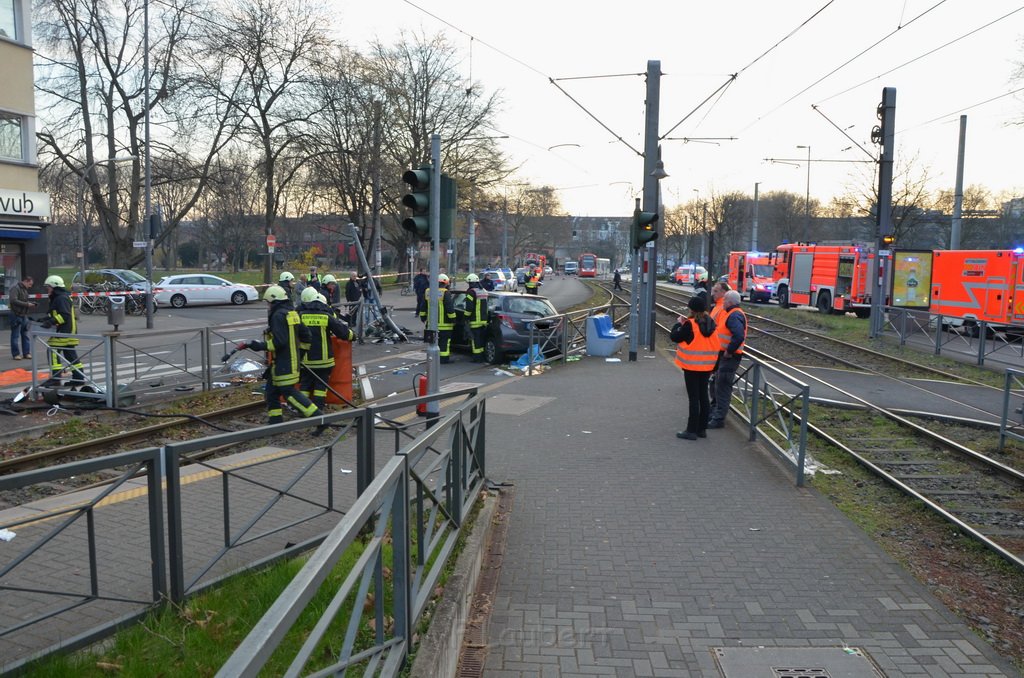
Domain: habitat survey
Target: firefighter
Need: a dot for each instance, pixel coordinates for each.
(282, 341)
(696, 351)
(445, 317)
(732, 334)
(61, 317)
(532, 280)
(287, 282)
(476, 315)
(330, 289)
(318, 360)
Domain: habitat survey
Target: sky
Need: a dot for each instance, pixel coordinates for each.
(944, 57)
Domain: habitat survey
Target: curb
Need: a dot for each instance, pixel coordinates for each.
(438, 652)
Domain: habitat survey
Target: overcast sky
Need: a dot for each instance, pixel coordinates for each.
(788, 56)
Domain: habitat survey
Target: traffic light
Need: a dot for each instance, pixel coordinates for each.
(645, 228)
(418, 201)
(449, 200)
(888, 240)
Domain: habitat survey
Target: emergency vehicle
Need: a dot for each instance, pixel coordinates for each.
(833, 278)
(751, 274)
(539, 261)
(967, 286)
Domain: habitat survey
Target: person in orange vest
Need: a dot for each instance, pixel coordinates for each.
(533, 280)
(696, 352)
(732, 335)
(718, 291)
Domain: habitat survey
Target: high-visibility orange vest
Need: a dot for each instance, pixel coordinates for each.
(700, 354)
(717, 310)
(724, 335)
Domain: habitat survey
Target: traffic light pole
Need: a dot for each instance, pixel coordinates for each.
(433, 352)
(634, 304)
(885, 135)
(652, 158)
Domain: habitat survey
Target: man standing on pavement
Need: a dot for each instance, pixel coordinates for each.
(61, 317)
(281, 341)
(732, 334)
(420, 283)
(532, 280)
(20, 307)
(718, 291)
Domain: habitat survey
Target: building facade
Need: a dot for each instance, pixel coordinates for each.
(24, 211)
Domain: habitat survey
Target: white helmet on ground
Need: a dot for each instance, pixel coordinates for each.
(275, 293)
(54, 281)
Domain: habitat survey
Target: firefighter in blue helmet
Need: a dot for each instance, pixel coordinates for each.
(318, 361)
(282, 340)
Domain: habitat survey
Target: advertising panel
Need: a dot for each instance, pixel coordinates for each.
(911, 278)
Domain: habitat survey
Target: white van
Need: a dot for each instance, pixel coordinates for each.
(571, 268)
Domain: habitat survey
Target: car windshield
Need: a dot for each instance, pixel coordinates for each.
(131, 276)
(762, 270)
(535, 307)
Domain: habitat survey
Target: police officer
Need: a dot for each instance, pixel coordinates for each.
(732, 334)
(281, 340)
(287, 282)
(532, 280)
(476, 315)
(445, 317)
(61, 317)
(314, 280)
(318, 360)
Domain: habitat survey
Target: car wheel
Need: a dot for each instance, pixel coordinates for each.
(493, 353)
(239, 298)
(178, 301)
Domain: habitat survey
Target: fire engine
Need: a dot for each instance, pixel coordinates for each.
(751, 274)
(833, 278)
(966, 286)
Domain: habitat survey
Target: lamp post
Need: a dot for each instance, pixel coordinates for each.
(753, 228)
(81, 208)
(807, 198)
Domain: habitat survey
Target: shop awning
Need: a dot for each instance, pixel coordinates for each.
(14, 231)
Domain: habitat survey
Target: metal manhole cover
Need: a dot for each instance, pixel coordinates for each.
(796, 662)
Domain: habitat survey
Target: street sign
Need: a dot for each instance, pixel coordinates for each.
(885, 253)
(139, 244)
(270, 249)
(271, 242)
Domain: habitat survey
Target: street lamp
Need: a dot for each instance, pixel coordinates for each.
(807, 198)
(81, 208)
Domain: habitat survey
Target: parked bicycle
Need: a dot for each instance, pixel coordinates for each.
(89, 304)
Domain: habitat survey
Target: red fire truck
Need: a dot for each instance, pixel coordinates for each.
(751, 274)
(833, 278)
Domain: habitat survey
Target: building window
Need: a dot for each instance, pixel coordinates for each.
(12, 145)
(9, 19)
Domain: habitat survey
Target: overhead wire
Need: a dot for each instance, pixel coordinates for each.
(980, 103)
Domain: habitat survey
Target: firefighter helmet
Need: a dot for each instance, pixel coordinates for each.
(442, 279)
(275, 293)
(321, 298)
(328, 279)
(472, 278)
(54, 281)
(308, 295)
(285, 277)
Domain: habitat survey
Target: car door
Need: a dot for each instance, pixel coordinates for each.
(216, 290)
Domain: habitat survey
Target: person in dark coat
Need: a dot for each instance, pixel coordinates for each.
(318, 359)
(696, 354)
(420, 283)
(617, 279)
(61, 317)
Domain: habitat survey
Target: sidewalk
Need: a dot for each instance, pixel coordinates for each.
(633, 553)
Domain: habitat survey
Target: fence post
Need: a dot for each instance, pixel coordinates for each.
(455, 466)
(903, 327)
(804, 411)
(205, 356)
(175, 546)
(755, 401)
(364, 451)
(982, 341)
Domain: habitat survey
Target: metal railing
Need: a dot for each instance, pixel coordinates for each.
(224, 516)
(978, 339)
(565, 334)
(1013, 392)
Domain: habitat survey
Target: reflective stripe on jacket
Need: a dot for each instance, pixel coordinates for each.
(700, 354)
(725, 334)
(62, 313)
(320, 321)
(477, 313)
(446, 317)
(283, 337)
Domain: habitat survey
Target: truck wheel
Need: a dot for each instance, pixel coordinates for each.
(825, 303)
(784, 297)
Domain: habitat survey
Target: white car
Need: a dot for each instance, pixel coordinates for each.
(193, 289)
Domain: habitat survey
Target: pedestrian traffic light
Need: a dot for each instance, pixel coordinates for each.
(418, 200)
(645, 228)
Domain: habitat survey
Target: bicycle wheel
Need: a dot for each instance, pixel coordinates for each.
(85, 305)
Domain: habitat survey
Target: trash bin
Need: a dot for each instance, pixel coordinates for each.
(341, 375)
(115, 315)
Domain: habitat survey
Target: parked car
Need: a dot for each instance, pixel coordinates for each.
(521, 274)
(508, 329)
(116, 278)
(509, 275)
(502, 283)
(194, 289)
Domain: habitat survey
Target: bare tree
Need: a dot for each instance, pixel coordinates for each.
(911, 199)
(91, 85)
(977, 211)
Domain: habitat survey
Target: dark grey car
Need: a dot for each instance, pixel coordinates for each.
(508, 328)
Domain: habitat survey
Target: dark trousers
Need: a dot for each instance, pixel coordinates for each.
(19, 336)
(313, 383)
(700, 401)
(725, 375)
(294, 397)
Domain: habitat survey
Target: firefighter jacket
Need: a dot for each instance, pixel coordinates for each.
(61, 317)
(446, 317)
(732, 331)
(321, 322)
(476, 307)
(282, 341)
(697, 350)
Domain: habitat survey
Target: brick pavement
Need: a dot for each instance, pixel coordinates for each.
(633, 553)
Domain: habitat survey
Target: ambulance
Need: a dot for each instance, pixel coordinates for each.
(966, 286)
(832, 278)
(750, 274)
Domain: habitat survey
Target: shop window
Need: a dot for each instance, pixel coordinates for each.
(10, 275)
(9, 19)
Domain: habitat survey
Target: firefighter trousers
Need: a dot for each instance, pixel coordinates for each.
(295, 398)
(313, 384)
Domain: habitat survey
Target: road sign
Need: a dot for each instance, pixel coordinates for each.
(270, 249)
(139, 244)
(271, 242)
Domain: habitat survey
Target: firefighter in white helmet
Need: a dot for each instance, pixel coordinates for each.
(61, 318)
(445, 317)
(318, 360)
(476, 315)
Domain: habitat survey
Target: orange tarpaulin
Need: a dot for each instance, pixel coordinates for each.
(20, 376)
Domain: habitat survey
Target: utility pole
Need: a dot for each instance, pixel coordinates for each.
(883, 134)
(433, 352)
(753, 228)
(958, 199)
(654, 171)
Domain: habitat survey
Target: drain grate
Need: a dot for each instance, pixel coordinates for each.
(474, 641)
(800, 672)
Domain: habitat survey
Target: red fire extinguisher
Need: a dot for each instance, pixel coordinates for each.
(421, 389)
